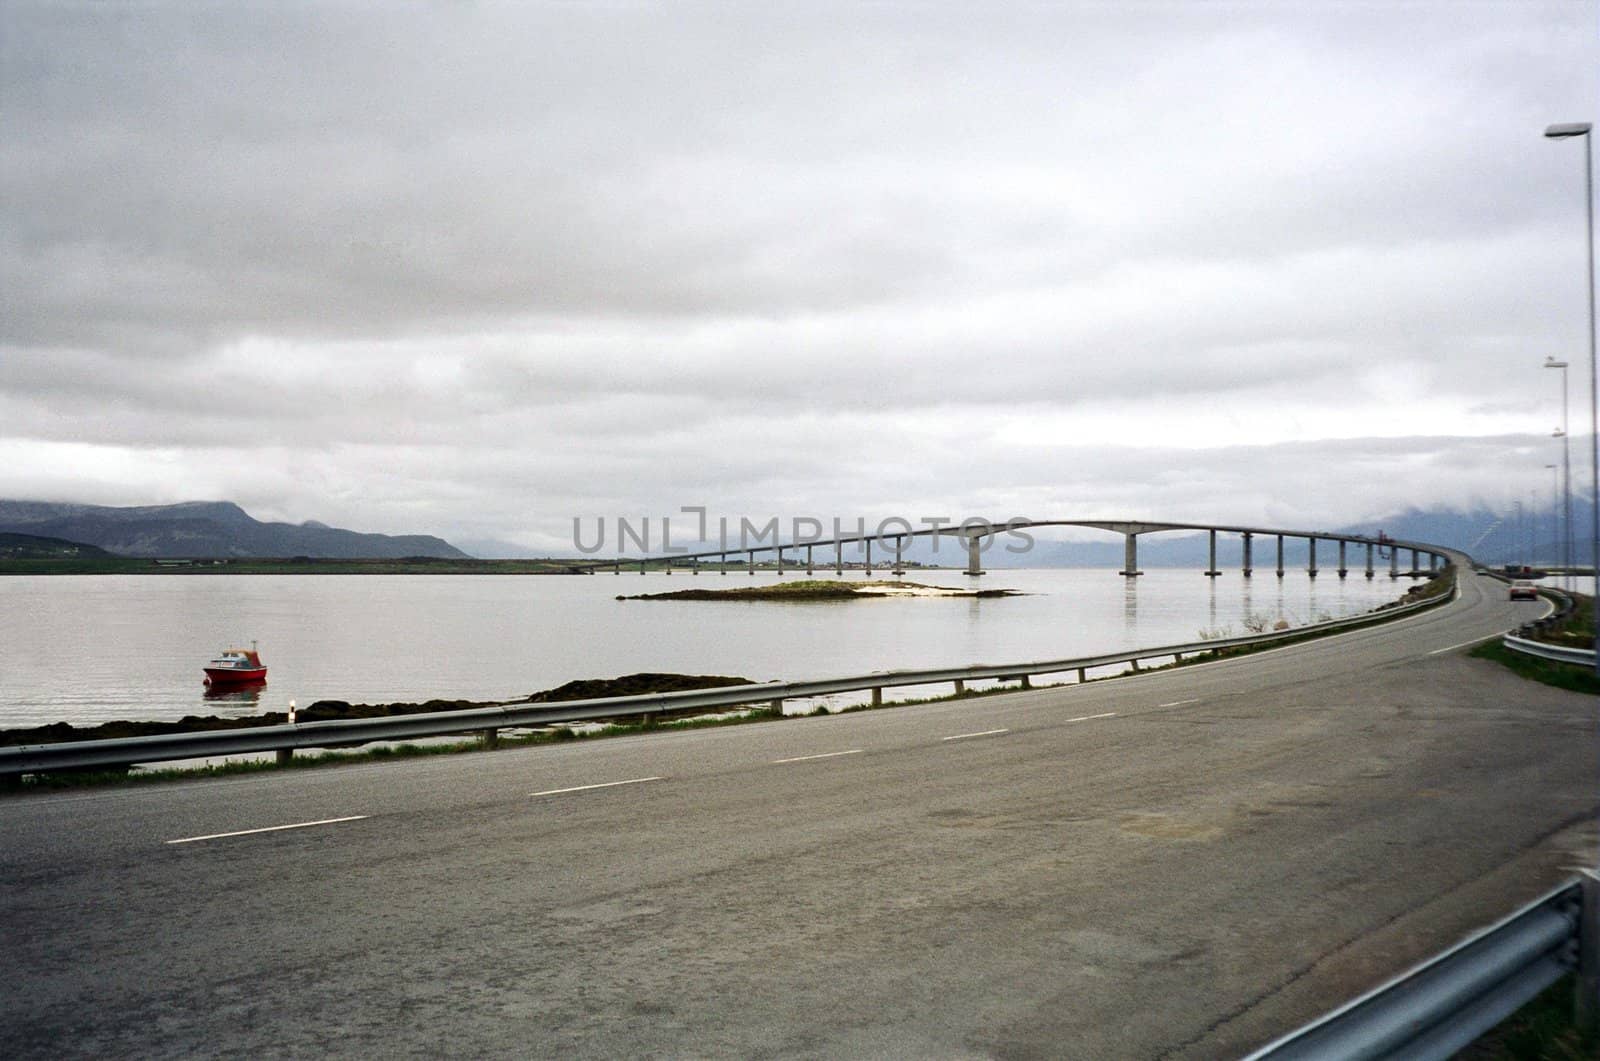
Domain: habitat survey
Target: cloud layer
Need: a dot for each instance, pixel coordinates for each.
(474, 270)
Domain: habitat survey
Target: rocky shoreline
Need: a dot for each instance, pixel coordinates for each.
(330, 710)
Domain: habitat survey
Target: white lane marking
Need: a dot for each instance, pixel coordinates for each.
(1464, 644)
(604, 784)
(268, 829)
(824, 755)
(1086, 718)
(1180, 703)
(985, 733)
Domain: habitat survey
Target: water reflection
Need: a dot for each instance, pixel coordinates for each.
(246, 694)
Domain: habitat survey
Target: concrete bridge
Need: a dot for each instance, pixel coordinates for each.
(978, 536)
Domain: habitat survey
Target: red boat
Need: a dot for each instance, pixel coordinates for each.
(236, 666)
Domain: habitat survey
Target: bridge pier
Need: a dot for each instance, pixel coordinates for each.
(899, 545)
(616, 568)
(750, 555)
(1394, 562)
(1130, 556)
(1433, 563)
(867, 569)
(1211, 567)
(1414, 573)
(1246, 569)
(974, 554)
(1343, 571)
(780, 561)
(838, 557)
(1369, 560)
(810, 570)
(1280, 556)
(1311, 568)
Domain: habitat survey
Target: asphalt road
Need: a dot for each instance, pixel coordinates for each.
(1181, 864)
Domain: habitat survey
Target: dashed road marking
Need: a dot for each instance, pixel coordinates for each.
(1464, 644)
(824, 755)
(984, 733)
(1180, 703)
(268, 829)
(586, 788)
(1086, 718)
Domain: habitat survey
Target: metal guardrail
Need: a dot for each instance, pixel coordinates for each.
(284, 738)
(1559, 653)
(1442, 1005)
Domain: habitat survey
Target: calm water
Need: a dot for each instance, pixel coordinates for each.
(86, 649)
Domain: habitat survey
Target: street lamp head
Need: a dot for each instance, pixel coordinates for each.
(1566, 129)
(1551, 362)
(1558, 433)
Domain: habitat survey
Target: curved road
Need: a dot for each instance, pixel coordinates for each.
(1180, 864)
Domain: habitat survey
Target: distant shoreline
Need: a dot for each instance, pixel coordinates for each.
(416, 565)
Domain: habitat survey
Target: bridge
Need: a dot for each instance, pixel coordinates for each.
(1184, 863)
(979, 535)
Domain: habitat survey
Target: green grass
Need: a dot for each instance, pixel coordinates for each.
(1543, 1030)
(1578, 678)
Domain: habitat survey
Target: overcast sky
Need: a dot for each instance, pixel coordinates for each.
(477, 269)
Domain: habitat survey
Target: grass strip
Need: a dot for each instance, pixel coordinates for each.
(1578, 678)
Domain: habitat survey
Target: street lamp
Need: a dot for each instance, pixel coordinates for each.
(1564, 435)
(1564, 131)
(1555, 513)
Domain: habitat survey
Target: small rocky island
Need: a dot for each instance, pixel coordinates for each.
(822, 590)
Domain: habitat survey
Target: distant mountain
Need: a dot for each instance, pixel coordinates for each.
(495, 549)
(207, 529)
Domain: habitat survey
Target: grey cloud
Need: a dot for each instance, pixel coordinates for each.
(784, 255)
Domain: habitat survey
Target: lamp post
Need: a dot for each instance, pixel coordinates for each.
(1565, 131)
(1555, 512)
(1565, 435)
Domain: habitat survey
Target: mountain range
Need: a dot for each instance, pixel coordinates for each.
(207, 529)
(223, 529)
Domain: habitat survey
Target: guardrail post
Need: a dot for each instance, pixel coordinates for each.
(284, 755)
(775, 708)
(877, 696)
(961, 687)
(490, 736)
(1586, 991)
(1025, 683)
